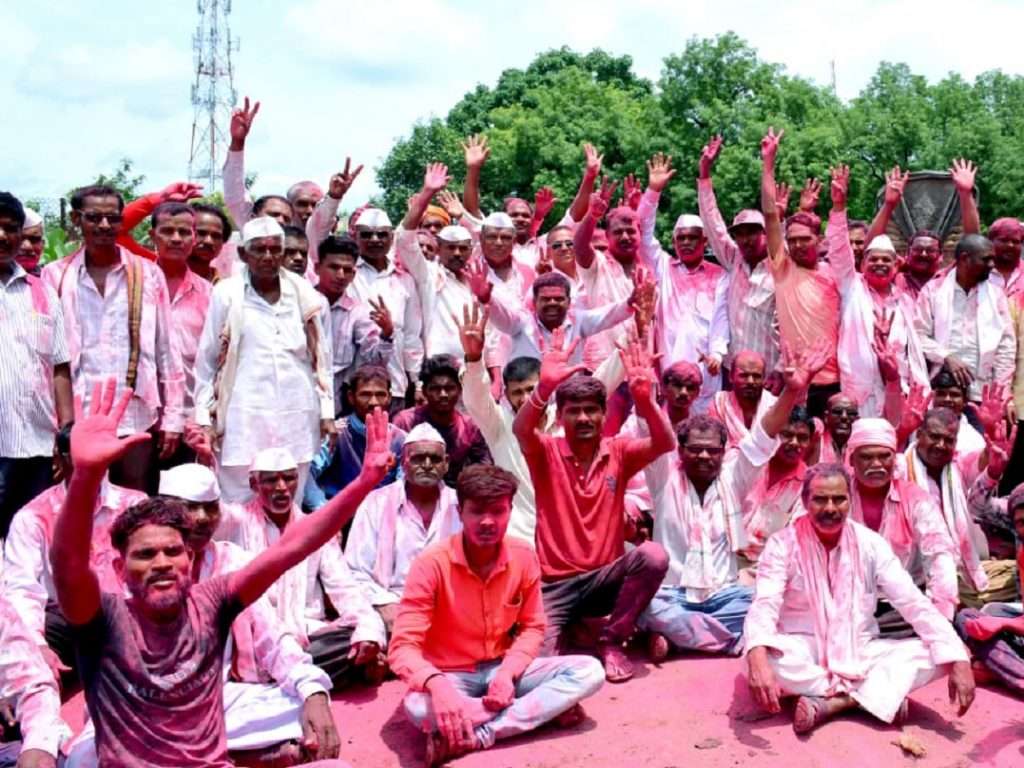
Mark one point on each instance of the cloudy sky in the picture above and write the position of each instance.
(89, 83)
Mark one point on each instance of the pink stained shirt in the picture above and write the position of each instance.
(1013, 286)
(770, 508)
(188, 313)
(605, 282)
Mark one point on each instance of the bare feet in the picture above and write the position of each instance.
(812, 711)
(571, 717)
(439, 750)
(617, 668)
(657, 647)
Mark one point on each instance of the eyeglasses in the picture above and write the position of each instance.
(97, 218)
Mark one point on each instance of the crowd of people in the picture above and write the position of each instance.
(263, 457)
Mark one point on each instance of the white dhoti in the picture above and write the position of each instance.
(896, 667)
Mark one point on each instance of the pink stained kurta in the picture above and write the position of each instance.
(770, 508)
(726, 408)
(605, 282)
(188, 311)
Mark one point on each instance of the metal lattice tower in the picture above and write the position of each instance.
(213, 92)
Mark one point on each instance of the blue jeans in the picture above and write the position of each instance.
(714, 626)
(550, 686)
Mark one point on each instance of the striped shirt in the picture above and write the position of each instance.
(32, 343)
(752, 319)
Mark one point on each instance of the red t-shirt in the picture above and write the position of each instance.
(581, 514)
(154, 692)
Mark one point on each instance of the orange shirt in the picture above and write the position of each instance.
(808, 306)
(450, 620)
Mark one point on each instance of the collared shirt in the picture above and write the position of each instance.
(274, 400)
(33, 342)
(452, 620)
(28, 575)
(27, 682)
(188, 311)
(411, 537)
(98, 340)
(605, 282)
(769, 508)
(398, 291)
(1012, 286)
(912, 525)
(580, 510)
(752, 317)
(514, 291)
(462, 438)
(353, 339)
(335, 467)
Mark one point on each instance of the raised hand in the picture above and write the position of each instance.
(639, 365)
(543, 201)
(963, 174)
(992, 409)
(94, 441)
(770, 146)
(544, 264)
(241, 124)
(801, 366)
(888, 364)
(809, 195)
(378, 460)
(341, 182)
(914, 408)
(709, 154)
(436, 178)
(554, 362)
(599, 203)
(660, 171)
(895, 183)
(782, 193)
(180, 191)
(593, 160)
(840, 186)
(472, 330)
(475, 273)
(451, 203)
(631, 192)
(476, 151)
(381, 315)
(999, 445)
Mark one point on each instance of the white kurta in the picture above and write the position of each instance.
(782, 620)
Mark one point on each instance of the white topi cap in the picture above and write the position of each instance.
(273, 460)
(32, 218)
(191, 482)
(423, 433)
(499, 220)
(881, 243)
(261, 226)
(688, 221)
(454, 233)
(373, 217)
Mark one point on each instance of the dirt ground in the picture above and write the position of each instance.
(696, 711)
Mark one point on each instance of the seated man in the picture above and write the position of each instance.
(841, 411)
(996, 635)
(697, 518)
(905, 516)
(275, 701)
(28, 575)
(442, 389)
(947, 392)
(811, 630)
(337, 463)
(397, 522)
(346, 648)
(580, 481)
(470, 627)
(740, 407)
(151, 663)
(27, 685)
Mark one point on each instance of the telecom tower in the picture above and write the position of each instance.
(213, 92)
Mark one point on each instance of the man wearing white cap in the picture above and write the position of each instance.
(33, 240)
(692, 319)
(443, 285)
(263, 376)
(742, 249)
(903, 514)
(28, 573)
(376, 280)
(397, 522)
(274, 697)
(347, 648)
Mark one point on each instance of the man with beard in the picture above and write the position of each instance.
(811, 632)
(692, 319)
(348, 648)
(152, 663)
(742, 249)
(746, 402)
(807, 293)
(580, 481)
(442, 390)
(698, 497)
(1006, 235)
(905, 516)
(117, 313)
(377, 279)
(397, 522)
(553, 310)
(469, 630)
(964, 322)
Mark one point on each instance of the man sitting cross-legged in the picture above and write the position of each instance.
(811, 630)
(151, 663)
(469, 629)
(580, 482)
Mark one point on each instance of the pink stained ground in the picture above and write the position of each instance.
(660, 717)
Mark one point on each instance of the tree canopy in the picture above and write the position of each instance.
(537, 119)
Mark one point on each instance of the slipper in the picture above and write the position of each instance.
(611, 653)
(810, 711)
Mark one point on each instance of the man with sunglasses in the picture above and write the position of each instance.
(117, 312)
